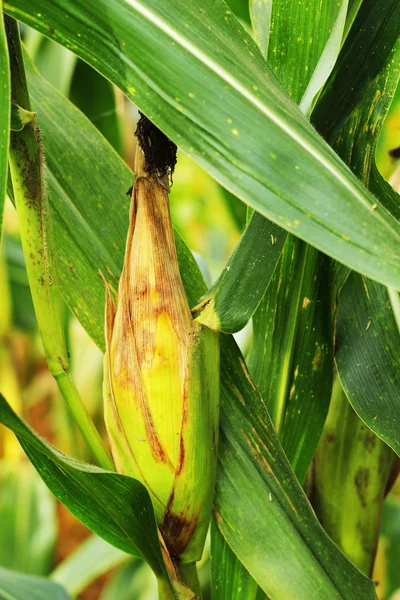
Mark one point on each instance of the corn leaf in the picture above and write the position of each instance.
(368, 356)
(229, 578)
(17, 586)
(85, 241)
(291, 357)
(95, 97)
(5, 98)
(302, 64)
(116, 507)
(373, 34)
(232, 300)
(174, 60)
(367, 338)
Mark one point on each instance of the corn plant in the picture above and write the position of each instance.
(282, 451)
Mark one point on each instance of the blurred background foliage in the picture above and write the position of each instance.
(38, 535)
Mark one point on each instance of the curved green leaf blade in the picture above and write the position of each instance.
(229, 578)
(5, 96)
(368, 356)
(288, 173)
(116, 507)
(231, 301)
(365, 53)
(291, 357)
(81, 203)
(368, 339)
(261, 508)
(17, 586)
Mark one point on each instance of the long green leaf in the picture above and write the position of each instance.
(116, 507)
(232, 300)
(86, 227)
(5, 99)
(261, 508)
(16, 586)
(172, 61)
(291, 357)
(229, 578)
(293, 319)
(368, 356)
(373, 34)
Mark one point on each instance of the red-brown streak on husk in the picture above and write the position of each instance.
(117, 420)
(177, 530)
(126, 343)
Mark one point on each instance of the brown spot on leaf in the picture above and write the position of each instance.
(361, 481)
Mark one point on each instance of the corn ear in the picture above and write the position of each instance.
(161, 386)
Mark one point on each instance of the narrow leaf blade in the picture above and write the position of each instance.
(115, 507)
(288, 174)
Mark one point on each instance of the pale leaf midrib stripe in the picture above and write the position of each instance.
(234, 83)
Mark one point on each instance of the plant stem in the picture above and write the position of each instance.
(352, 469)
(188, 576)
(27, 174)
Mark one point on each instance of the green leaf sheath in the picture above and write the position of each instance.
(115, 507)
(5, 96)
(28, 180)
(288, 173)
(291, 357)
(18, 586)
(352, 469)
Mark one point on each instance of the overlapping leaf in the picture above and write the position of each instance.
(115, 507)
(174, 60)
(229, 578)
(365, 53)
(368, 355)
(85, 241)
